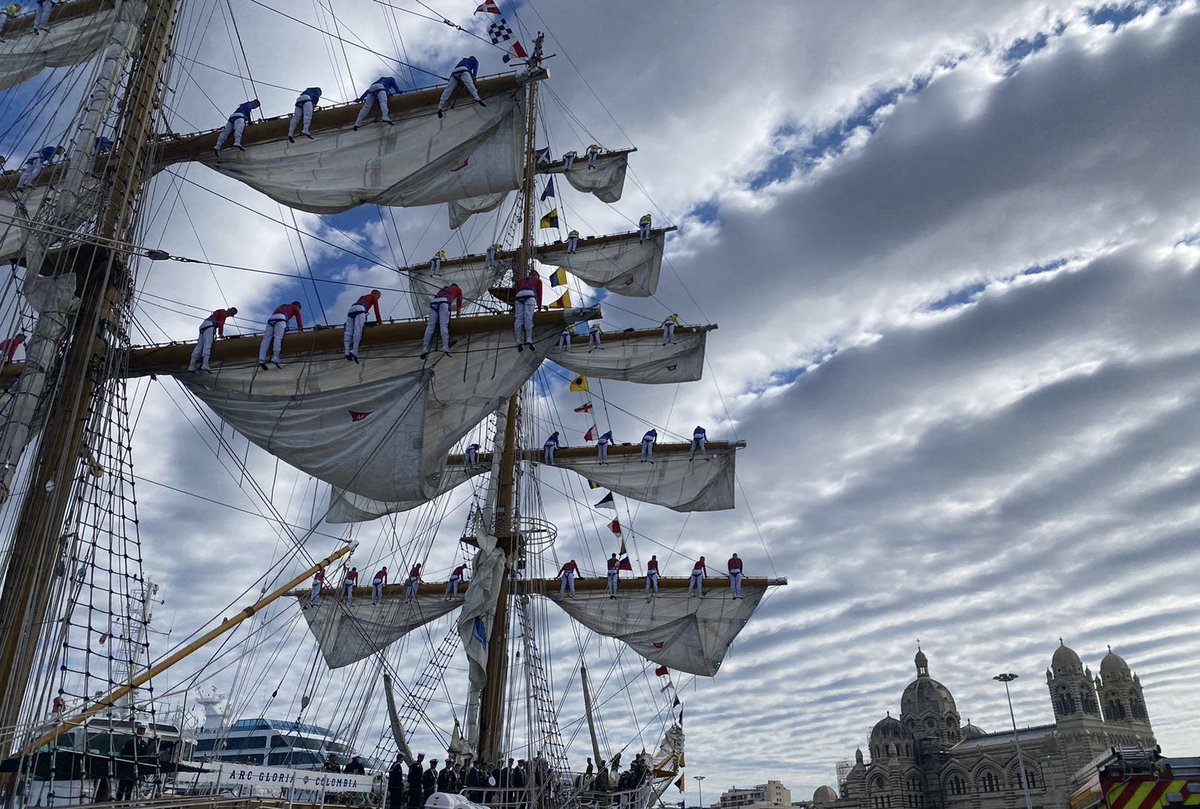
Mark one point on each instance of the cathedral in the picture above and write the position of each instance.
(927, 759)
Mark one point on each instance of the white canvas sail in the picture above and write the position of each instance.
(672, 480)
(422, 160)
(643, 359)
(606, 180)
(347, 633)
(15, 220)
(675, 630)
(461, 210)
(621, 264)
(381, 429)
(471, 274)
(346, 507)
(68, 42)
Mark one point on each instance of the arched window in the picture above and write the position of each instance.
(1138, 709)
(988, 782)
(1090, 705)
(878, 784)
(1115, 710)
(955, 784)
(1066, 703)
(1031, 776)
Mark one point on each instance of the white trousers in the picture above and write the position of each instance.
(235, 126)
(572, 243)
(491, 257)
(356, 318)
(593, 340)
(652, 581)
(435, 265)
(602, 451)
(568, 583)
(700, 444)
(613, 578)
(696, 583)
(33, 168)
(472, 458)
(669, 332)
(564, 341)
(302, 113)
(568, 160)
(376, 592)
(647, 450)
(204, 344)
(592, 154)
(439, 319)
(349, 588)
(458, 77)
(43, 13)
(524, 307)
(272, 338)
(643, 231)
(314, 596)
(376, 94)
(452, 587)
(413, 584)
(548, 454)
(735, 583)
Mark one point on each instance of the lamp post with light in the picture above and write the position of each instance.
(1006, 679)
(699, 779)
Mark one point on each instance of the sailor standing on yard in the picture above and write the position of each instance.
(435, 264)
(212, 327)
(464, 73)
(36, 164)
(572, 241)
(492, 250)
(593, 151)
(652, 577)
(548, 449)
(568, 572)
(569, 159)
(452, 584)
(276, 326)
(696, 582)
(644, 228)
(303, 113)
(648, 445)
(602, 444)
(377, 93)
(526, 301)
(734, 566)
(377, 583)
(614, 575)
(699, 442)
(439, 317)
(472, 456)
(414, 580)
(42, 21)
(349, 583)
(314, 595)
(669, 329)
(356, 318)
(236, 125)
(594, 337)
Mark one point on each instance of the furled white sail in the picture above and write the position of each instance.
(621, 264)
(672, 480)
(472, 274)
(643, 359)
(606, 180)
(381, 429)
(675, 630)
(460, 210)
(15, 222)
(68, 42)
(347, 633)
(345, 507)
(422, 160)
(475, 624)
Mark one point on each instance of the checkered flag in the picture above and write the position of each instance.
(500, 32)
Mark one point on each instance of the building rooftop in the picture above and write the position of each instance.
(1003, 737)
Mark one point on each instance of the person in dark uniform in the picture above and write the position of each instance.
(355, 767)
(134, 750)
(429, 781)
(416, 769)
(395, 784)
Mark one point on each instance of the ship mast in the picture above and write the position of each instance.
(491, 724)
(103, 285)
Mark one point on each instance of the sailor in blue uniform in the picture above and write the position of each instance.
(602, 445)
(593, 151)
(236, 125)
(377, 93)
(569, 159)
(42, 21)
(464, 73)
(648, 445)
(304, 112)
(34, 165)
(699, 442)
(472, 456)
(548, 449)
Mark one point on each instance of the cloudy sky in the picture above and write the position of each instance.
(952, 249)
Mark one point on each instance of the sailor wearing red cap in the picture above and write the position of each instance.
(356, 318)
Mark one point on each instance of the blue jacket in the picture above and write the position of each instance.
(47, 153)
(607, 438)
(388, 83)
(651, 436)
(244, 110)
(470, 63)
(314, 93)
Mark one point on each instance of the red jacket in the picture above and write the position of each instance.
(380, 576)
(458, 571)
(652, 566)
(453, 294)
(218, 319)
(289, 311)
(530, 282)
(370, 301)
(569, 567)
(735, 565)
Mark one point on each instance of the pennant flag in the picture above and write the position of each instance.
(681, 764)
(487, 7)
(677, 703)
(558, 277)
(681, 716)
(563, 302)
(593, 484)
(502, 36)
(550, 220)
(679, 782)
(590, 435)
(607, 502)
(669, 685)
(615, 527)
(622, 551)
(586, 407)
(625, 564)
(549, 191)
(579, 383)
(661, 671)
(543, 155)
(480, 632)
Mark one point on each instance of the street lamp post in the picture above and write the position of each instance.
(700, 786)
(1006, 679)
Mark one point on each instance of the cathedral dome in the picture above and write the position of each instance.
(1114, 667)
(1065, 661)
(888, 729)
(971, 731)
(824, 796)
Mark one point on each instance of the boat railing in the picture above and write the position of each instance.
(561, 795)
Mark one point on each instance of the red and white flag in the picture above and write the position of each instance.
(586, 407)
(487, 7)
(590, 435)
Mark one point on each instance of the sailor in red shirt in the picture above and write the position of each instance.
(452, 585)
(212, 327)
(356, 318)
(439, 317)
(568, 572)
(276, 326)
(652, 577)
(526, 300)
(314, 597)
(614, 575)
(349, 583)
(414, 579)
(696, 582)
(735, 575)
(9, 347)
(377, 582)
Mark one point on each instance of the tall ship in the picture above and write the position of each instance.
(476, 467)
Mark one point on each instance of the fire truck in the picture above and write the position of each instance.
(1136, 778)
